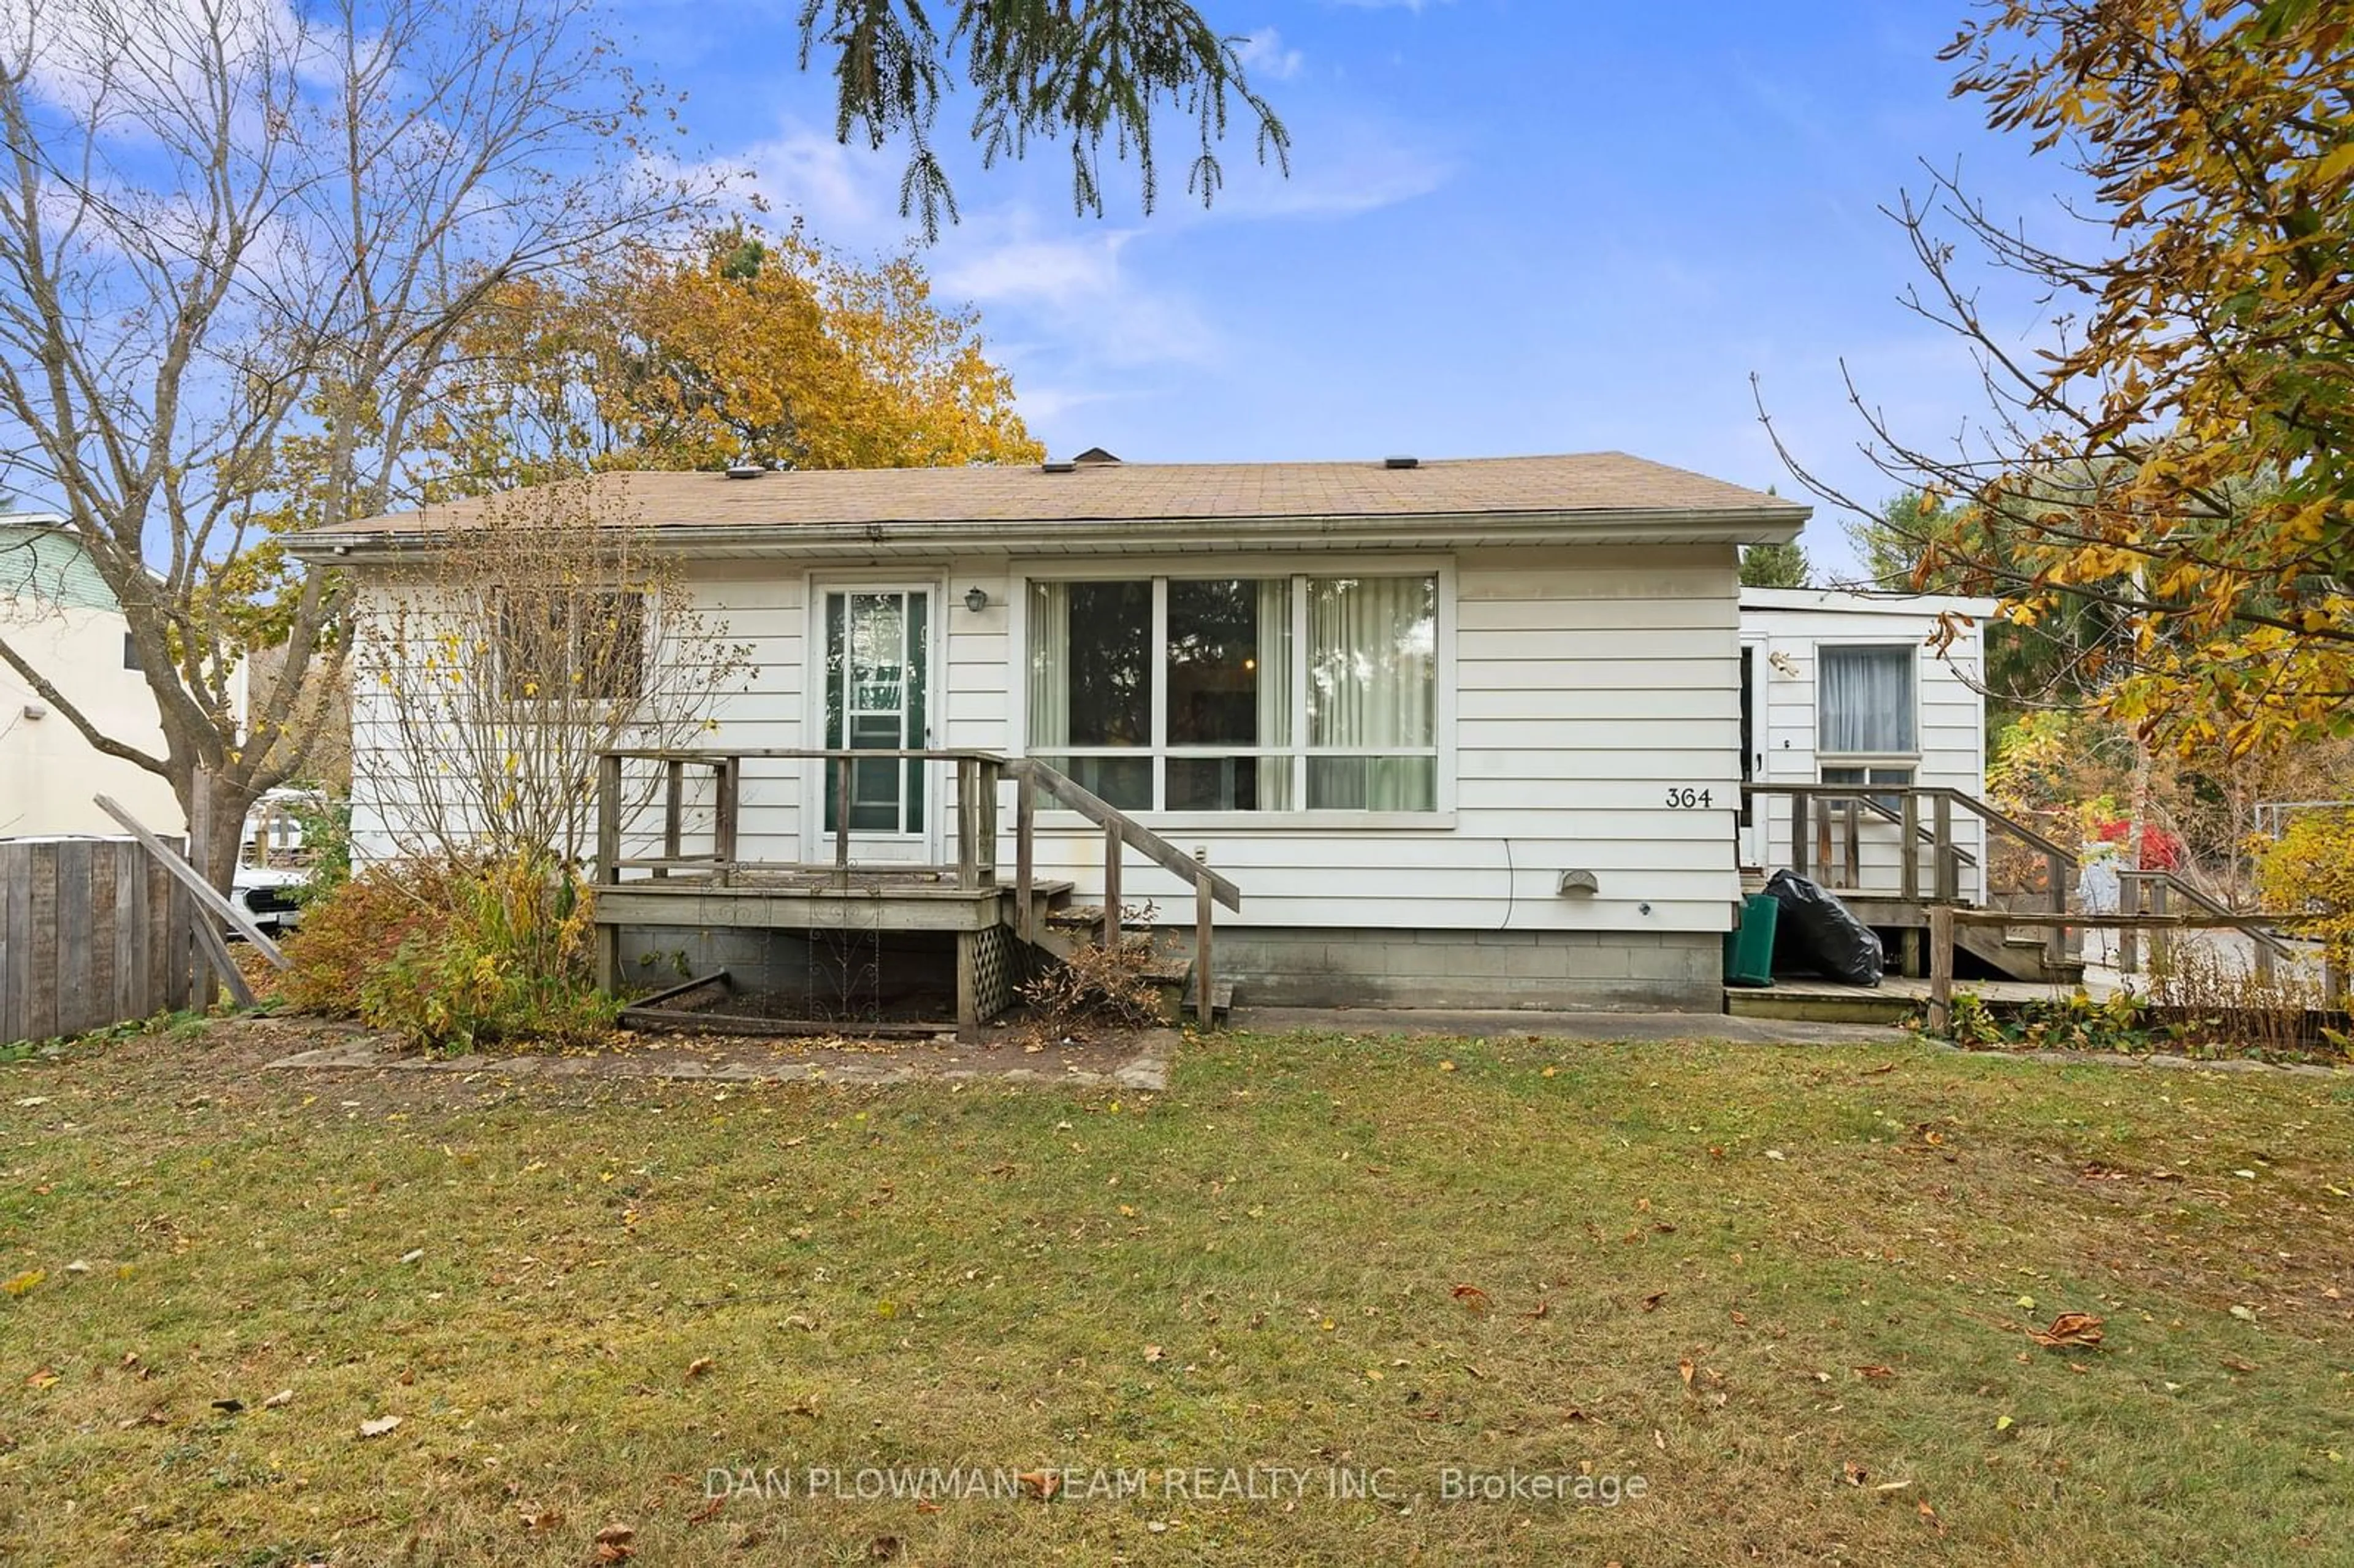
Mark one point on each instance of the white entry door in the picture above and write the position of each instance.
(875, 696)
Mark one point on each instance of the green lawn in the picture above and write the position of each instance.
(1317, 1263)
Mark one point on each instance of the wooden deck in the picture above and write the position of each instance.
(709, 887)
(869, 899)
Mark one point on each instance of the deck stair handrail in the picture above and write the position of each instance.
(1033, 778)
(2151, 891)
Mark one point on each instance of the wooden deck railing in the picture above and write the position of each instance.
(2143, 894)
(977, 775)
(1814, 852)
(1945, 919)
(2154, 892)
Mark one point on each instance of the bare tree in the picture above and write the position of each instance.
(237, 239)
(498, 660)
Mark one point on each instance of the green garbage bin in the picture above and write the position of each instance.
(1749, 946)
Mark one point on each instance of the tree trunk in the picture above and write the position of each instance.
(216, 808)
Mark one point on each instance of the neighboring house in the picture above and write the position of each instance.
(59, 612)
(1463, 733)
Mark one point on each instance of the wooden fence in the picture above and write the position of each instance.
(93, 932)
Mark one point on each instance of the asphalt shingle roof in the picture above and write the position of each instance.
(1140, 493)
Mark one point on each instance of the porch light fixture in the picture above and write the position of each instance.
(976, 600)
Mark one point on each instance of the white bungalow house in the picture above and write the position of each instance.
(1459, 733)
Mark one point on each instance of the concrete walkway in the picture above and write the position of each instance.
(1483, 1024)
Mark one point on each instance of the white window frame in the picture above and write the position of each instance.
(1159, 571)
(1824, 755)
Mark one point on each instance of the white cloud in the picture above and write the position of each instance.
(848, 195)
(1071, 294)
(1263, 53)
(1339, 166)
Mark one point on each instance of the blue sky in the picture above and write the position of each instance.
(1511, 226)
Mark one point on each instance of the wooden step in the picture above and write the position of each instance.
(1852, 1004)
(1089, 916)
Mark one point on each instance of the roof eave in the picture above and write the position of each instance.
(1752, 525)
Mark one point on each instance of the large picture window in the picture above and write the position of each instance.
(1240, 694)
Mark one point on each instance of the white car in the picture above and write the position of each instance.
(273, 860)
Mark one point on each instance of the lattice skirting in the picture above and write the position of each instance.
(993, 958)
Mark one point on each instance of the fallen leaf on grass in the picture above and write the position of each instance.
(1471, 1296)
(1684, 1370)
(24, 1282)
(1854, 1472)
(1741, 1319)
(1044, 1483)
(279, 1401)
(709, 1510)
(1876, 1374)
(416, 1255)
(615, 1543)
(1929, 1515)
(1541, 1308)
(697, 1367)
(2069, 1330)
(1651, 1302)
(1154, 1353)
(379, 1426)
(2245, 1314)
(883, 1549)
(538, 1519)
(44, 1378)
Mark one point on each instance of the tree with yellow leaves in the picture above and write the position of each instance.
(744, 348)
(2181, 453)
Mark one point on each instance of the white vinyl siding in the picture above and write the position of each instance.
(1950, 732)
(1582, 692)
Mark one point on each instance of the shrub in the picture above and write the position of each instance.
(355, 930)
(455, 952)
(2307, 875)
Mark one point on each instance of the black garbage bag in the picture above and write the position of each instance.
(1817, 934)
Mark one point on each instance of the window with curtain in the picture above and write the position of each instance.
(1240, 693)
(1864, 702)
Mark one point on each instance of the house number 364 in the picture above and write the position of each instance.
(1686, 798)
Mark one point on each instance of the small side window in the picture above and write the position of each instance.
(131, 653)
